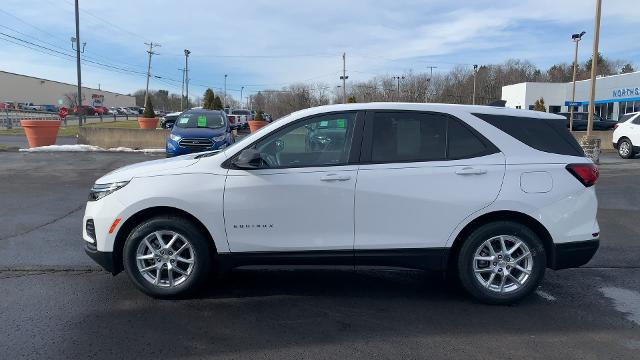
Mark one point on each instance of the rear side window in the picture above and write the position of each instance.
(548, 135)
(418, 136)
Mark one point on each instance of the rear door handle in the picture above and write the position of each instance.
(335, 177)
(470, 171)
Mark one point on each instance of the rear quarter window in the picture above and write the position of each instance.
(548, 135)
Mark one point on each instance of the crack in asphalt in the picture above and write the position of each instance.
(42, 225)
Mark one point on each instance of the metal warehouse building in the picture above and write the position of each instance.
(27, 89)
(615, 95)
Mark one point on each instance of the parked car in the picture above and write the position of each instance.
(245, 116)
(197, 131)
(466, 189)
(102, 110)
(49, 108)
(7, 105)
(626, 136)
(580, 120)
(136, 110)
(27, 106)
(234, 121)
(84, 110)
(167, 121)
(116, 110)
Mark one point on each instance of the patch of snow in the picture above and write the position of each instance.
(86, 148)
(545, 295)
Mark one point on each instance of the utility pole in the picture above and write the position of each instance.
(398, 87)
(426, 93)
(576, 38)
(241, 90)
(78, 64)
(344, 78)
(151, 53)
(182, 91)
(475, 72)
(186, 75)
(224, 104)
(594, 67)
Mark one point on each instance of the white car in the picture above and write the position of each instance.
(626, 136)
(493, 195)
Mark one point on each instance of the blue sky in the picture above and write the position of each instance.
(268, 44)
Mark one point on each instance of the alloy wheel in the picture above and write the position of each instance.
(625, 148)
(503, 264)
(165, 258)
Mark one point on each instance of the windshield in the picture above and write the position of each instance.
(211, 120)
(241, 112)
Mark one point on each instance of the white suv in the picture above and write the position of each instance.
(626, 136)
(493, 195)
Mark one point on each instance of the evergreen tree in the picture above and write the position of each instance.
(209, 100)
(148, 110)
(217, 103)
(627, 68)
(539, 105)
(351, 100)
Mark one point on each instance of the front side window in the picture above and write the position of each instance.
(320, 141)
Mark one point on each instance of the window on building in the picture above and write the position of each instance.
(555, 109)
(585, 108)
(518, 107)
(531, 107)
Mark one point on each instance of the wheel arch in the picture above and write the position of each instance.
(148, 213)
(504, 215)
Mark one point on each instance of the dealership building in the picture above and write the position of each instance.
(615, 95)
(27, 89)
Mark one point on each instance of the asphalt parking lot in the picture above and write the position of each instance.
(56, 303)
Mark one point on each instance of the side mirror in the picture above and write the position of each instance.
(248, 159)
(279, 145)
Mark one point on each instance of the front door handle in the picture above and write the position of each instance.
(335, 177)
(470, 171)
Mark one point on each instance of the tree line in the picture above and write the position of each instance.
(454, 86)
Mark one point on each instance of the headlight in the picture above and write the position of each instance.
(98, 191)
(220, 138)
(174, 137)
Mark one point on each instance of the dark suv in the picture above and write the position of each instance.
(580, 121)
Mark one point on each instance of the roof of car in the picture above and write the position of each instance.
(435, 107)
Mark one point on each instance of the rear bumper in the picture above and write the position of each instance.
(574, 254)
(102, 258)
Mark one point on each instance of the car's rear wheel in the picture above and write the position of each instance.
(625, 149)
(501, 262)
(167, 257)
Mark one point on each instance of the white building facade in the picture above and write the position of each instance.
(615, 95)
(27, 89)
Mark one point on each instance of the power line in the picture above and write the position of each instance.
(109, 23)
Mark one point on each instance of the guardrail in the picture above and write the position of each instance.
(10, 118)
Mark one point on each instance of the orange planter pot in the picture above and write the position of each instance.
(254, 125)
(148, 123)
(41, 132)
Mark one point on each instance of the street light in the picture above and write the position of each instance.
(475, 72)
(241, 90)
(224, 106)
(398, 87)
(576, 38)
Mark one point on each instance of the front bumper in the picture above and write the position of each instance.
(574, 254)
(173, 148)
(102, 258)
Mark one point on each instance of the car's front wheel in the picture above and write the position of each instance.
(167, 257)
(501, 262)
(625, 149)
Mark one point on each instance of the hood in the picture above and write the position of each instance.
(197, 132)
(149, 168)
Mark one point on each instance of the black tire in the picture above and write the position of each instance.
(465, 263)
(201, 254)
(625, 143)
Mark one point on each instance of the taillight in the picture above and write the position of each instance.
(587, 174)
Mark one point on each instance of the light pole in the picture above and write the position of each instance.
(224, 104)
(344, 78)
(397, 78)
(241, 90)
(426, 92)
(78, 64)
(594, 67)
(475, 72)
(186, 75)
(576, 38)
